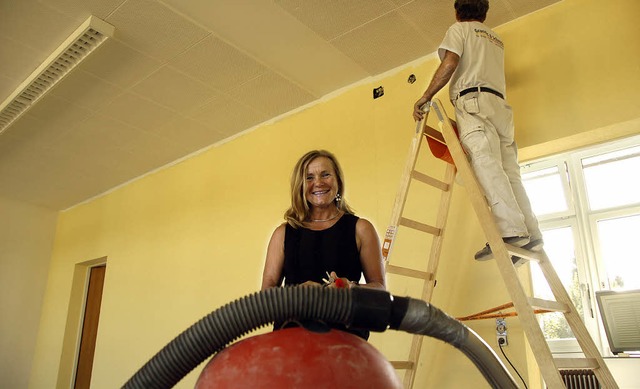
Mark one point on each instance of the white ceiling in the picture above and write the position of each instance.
(180, 75)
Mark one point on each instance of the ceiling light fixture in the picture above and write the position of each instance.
(86, 38)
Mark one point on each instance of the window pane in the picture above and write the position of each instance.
(544, 188)
(619, 250)
(611, 179)
(559, 246)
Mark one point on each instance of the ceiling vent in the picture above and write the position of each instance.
(86, 38)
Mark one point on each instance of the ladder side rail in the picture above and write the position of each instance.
(576, 324)
(414, 355)
(438, 240)
(432, 266)
(529, 323)
(396, 218)
(401, 196)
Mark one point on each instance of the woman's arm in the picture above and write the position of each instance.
(370, 254)
(272, 273)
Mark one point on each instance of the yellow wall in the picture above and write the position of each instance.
(573, 67)
(26, 237)
(187, 239)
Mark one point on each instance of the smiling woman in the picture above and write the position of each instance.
(322, 242)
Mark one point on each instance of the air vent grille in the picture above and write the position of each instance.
(89, 36)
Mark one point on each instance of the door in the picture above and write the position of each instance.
(90, 327)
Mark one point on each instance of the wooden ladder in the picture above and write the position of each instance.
(524, 305)
(445, 185)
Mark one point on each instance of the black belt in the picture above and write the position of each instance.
(480, 89)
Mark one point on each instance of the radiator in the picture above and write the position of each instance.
(580, 379)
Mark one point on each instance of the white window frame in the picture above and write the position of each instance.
(591, 270)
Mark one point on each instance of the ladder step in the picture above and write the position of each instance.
(576, 363)
(419, 226)
(522, 253)
(402, 365)
(429, 180)
(434, 134)
(403, 271)
(548, 305)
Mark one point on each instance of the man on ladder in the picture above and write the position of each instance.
(472, 57)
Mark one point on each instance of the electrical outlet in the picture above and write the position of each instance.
(501, 332)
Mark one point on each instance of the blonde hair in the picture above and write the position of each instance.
(299, 210)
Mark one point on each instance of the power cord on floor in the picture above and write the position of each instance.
(514, 368)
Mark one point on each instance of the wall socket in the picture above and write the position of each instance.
(501, 332)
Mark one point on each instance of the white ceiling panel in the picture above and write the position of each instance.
(332, 18)
(174, 90)
(431, 18)
(35, 134)
(218, 64)
(82, 9)
(33, 24)
(275, 38)
(119, 64)
(17, 60)
(137, 111)
(191, 134)
(227, 116)
(7, 85)
(154, 29)
(389, 40)
(271, 94)
(86, 90)
(58, 113)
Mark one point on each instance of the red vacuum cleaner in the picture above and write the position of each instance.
(308, 358)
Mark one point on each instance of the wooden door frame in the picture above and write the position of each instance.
(67, 369)
(89, 327)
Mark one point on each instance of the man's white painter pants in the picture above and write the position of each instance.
(485, 123)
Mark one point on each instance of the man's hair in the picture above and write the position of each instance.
(471, 9)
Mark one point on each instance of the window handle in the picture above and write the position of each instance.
(588, 292)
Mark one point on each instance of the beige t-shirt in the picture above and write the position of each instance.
(481, 57)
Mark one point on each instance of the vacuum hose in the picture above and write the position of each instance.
(363, 308)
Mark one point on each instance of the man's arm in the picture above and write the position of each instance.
(440, 78)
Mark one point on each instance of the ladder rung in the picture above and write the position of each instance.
(522, 253)
(434, 134)
(548, 305)
(576, 363)
(419, 226)
(402, 365)
(403, 271)
(429, 180)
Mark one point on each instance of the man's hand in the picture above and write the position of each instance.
(418, 113)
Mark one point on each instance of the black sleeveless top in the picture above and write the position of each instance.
(309, 255)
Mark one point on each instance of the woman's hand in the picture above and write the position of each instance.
(310, 283)
(339, 282)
